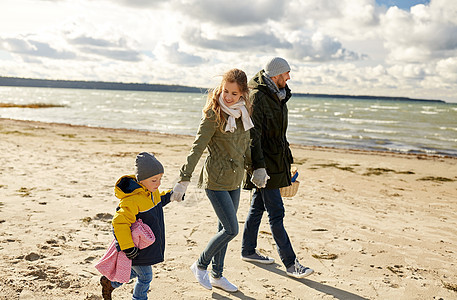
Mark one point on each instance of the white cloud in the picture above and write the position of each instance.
(141, 3)
(319, 48)
(262, 41)
(421, 34)
(66, 45)
(234, 12)
(447, 70)
(345, 19)
(175, 56)
(117, 49)
(28, 47)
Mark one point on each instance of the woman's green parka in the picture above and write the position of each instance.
(224, 166)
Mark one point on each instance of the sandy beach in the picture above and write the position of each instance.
(372, 225)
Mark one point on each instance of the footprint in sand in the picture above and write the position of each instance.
(33, 256)
(103, 217)
(190, 243)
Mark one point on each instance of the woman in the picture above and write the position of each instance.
(224, 130)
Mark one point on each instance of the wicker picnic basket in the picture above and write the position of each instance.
(291, 190)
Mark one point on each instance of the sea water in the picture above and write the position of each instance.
(383, 125)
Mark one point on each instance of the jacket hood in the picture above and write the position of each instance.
(258, 83)
(127, 186)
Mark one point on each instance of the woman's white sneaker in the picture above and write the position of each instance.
(223, 283)
(201, 276)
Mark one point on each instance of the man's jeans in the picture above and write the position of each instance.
(144, 274)
(271, 201)
(225, 204)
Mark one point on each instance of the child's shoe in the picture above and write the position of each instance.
(107, 289)
(223, 283)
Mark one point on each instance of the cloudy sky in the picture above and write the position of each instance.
(355, 47)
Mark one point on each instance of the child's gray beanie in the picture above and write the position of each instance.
(147, 166)
(276, 66)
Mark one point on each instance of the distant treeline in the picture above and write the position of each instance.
(102, 85)
(99, 85)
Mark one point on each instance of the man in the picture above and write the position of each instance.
(271, 160)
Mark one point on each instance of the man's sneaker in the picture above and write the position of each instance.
(223, 283)
(201, 276)
(298, 271)
(259, 258)
(107, 288)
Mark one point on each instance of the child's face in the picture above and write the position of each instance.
(231, 93)
(152, 183)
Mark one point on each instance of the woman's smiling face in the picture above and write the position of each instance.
(231, 93)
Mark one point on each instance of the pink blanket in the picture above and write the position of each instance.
(115, 265)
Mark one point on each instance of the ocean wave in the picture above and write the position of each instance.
(330, 134)
(365, 109)
(344, 136)
(412, 150)
(426, 112)
(452, 140)
(385, 107)
(367, 121)
(380, 131)
(448, 128)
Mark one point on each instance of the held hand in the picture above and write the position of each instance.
(179, 190)
(131, 253)
(260, 177)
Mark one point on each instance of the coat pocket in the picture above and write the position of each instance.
(275, 162)
(274, 157)
(225, 173)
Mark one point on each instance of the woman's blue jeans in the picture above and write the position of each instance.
(271, 201)
(225, 204)
(144, 274)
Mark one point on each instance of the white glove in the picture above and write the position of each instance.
(179, 190)
(260, 177)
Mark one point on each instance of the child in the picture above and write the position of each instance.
(139, 199)
(224, 131)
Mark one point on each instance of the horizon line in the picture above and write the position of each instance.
(158, 87)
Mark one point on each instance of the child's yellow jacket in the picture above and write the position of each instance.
(136, 202)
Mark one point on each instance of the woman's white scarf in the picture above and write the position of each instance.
(235, 111)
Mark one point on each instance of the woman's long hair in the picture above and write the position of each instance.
(212, 102)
